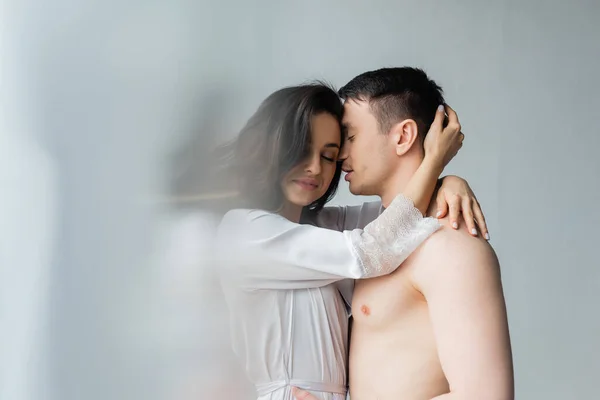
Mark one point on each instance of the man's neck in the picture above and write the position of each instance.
(396, 183)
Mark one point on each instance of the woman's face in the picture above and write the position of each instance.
(310, 179)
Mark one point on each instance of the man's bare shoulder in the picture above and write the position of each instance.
(452, 252)
(456, 240)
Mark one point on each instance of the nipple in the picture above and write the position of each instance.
(365, 310)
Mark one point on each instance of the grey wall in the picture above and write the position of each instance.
(113, 88)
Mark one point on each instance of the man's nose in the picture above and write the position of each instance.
(343, 153)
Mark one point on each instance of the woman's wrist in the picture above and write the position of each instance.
(434, 165)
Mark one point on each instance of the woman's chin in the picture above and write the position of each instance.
(303, 201)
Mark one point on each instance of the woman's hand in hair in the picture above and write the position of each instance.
(443, 143)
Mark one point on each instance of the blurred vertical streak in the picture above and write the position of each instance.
(28, 222)
(107, 289)
(194, 306)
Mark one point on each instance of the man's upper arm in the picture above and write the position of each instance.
(460, 279)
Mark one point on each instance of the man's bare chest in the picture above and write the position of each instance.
(376, 301)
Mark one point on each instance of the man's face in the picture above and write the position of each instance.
(368, 154)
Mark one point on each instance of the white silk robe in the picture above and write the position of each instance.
(282, 282)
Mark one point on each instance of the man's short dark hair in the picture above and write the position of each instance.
(395, 94)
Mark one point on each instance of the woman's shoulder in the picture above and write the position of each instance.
(241, 222)
(242, 215)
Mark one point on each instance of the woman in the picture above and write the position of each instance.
(288, 319)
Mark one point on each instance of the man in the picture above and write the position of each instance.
(436, 328)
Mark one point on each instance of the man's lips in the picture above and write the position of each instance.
(348, 175)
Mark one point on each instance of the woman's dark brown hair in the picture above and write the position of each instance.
(275, 139)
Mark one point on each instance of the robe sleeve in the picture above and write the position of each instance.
(342, 218)
(262, 250)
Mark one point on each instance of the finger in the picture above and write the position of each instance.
(460, 143)
(453, 122)
(454, 204)
(480, 219)
(442, 205)
(467, 211)
(455, 150)
(452, 116)
(438, 121)
(300, 394)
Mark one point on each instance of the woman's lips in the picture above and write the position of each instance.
(307, 184)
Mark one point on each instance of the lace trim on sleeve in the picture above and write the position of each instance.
(387, 241)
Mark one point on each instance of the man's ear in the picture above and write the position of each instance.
(404, 134)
